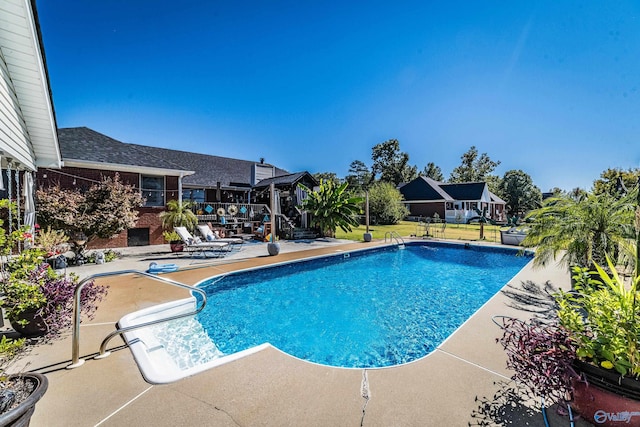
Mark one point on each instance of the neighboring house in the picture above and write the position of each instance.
(28, 137)
(455, 203)
(219, 186)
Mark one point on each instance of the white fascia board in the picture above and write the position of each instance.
(125, 168)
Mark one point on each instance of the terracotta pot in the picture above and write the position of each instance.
(176, 246)
(605, 398)
(20, 416)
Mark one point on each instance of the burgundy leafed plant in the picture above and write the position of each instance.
(541, 355)
(58, 290)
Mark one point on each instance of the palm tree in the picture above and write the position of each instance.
(586, 228)
(332, 207)
(178, 214)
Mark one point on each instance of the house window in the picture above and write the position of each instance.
(193, 195)
(152, 190)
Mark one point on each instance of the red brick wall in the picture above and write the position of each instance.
(427, 209)
(147, 218)
(84, 178)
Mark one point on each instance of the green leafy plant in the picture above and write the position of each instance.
(31, 289)
(385, 203)
(332, 207)
(170, 236)
(581, 229)
(111, 255)
(603, 319)
(178, 214)
(9, 349)
(52, 241)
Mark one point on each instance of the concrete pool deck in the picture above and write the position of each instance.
(459, 384)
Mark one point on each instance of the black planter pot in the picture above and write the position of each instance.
(35, 328)
(21, 415)
(609, 380)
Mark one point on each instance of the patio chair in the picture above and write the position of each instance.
(438, 229)
(209, 236)
(194, 245)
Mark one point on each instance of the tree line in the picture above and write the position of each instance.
(391, 166)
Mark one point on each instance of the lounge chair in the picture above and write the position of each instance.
(209, 236)
(193, 244)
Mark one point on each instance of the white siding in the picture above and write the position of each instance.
(14, 140)
(261, 172)
(27, 124)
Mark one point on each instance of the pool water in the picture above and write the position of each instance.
(360, 310)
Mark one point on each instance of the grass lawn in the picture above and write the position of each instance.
(470, 232)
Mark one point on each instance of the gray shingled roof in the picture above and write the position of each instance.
(85, 144)
(88, 145)
(424, 188)
(464, 190)
(288, 179)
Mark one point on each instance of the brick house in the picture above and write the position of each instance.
(454, 203)
(212, 182)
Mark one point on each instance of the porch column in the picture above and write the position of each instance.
(180, 189)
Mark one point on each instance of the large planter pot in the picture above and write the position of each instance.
(606, 398)
(20, 416)
(273, 248)
(34, 328)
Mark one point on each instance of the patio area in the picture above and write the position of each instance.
(459, 384)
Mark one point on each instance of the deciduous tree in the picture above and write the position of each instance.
(385, 203)
(327, 176)
(359, 177)
(392, 164)
(432, 171)
(517, 189)
(104, 210)
(474, 167)
(608, 181)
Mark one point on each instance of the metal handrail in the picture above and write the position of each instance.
(75, 342)
(394, 235)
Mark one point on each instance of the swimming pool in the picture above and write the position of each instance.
(364, 309)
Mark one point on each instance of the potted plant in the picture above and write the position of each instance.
(178, 214)
(54, 243)
(37, 301)
(589, 353)
(18, 393)
(173, 238)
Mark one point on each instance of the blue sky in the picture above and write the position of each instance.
(552, 88)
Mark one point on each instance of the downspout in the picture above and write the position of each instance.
(180, 188)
